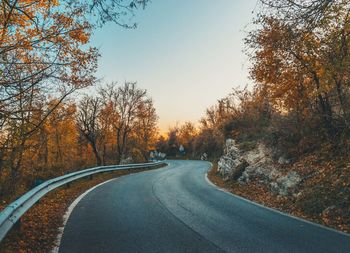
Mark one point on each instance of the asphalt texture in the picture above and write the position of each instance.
(174, 209)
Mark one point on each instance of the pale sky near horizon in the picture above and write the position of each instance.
(186, 53)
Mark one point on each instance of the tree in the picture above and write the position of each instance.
(186, 135)
(173, 141)
(87, 121)
(146, 130)
(41, 57)
(41, 46)
(132, 108)
(306, 13)
(44, 58)
(299, 54)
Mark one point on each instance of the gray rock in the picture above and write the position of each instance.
(288, 183)
(284, 161)
(257, 164)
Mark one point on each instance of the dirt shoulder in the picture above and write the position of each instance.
(39, 227)
(259, 193)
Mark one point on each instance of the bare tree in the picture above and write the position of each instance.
(127, 102)
(306, 13)
(87, 121)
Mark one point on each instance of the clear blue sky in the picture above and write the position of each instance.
(186, 53)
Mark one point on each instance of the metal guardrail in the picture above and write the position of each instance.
(13, 212)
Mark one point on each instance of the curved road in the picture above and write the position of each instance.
(175, 209)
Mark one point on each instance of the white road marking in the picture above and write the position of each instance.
(272, 209)
(70, 210)
(74, 204)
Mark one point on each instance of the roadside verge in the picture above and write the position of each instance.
(258, 196)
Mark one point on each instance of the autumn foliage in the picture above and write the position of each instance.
(299, 100)
(45, 57)
(297, 105)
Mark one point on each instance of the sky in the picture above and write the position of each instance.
(186, 53)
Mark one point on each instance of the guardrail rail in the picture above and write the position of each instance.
(13, 212)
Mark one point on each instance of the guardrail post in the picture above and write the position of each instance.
(91, 177)
(17, 224)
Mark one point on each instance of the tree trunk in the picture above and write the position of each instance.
(97, 155)
(326, 109)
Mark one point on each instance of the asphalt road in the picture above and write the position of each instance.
(175, 209)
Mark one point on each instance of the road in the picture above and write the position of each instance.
(175, 209)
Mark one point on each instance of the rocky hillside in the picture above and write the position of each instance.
(257, 164)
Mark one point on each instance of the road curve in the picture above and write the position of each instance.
(174, 209)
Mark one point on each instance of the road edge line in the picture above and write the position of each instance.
(272, 209)
(69, 212)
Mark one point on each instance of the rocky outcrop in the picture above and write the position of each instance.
(231, 165)
(257, 165)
